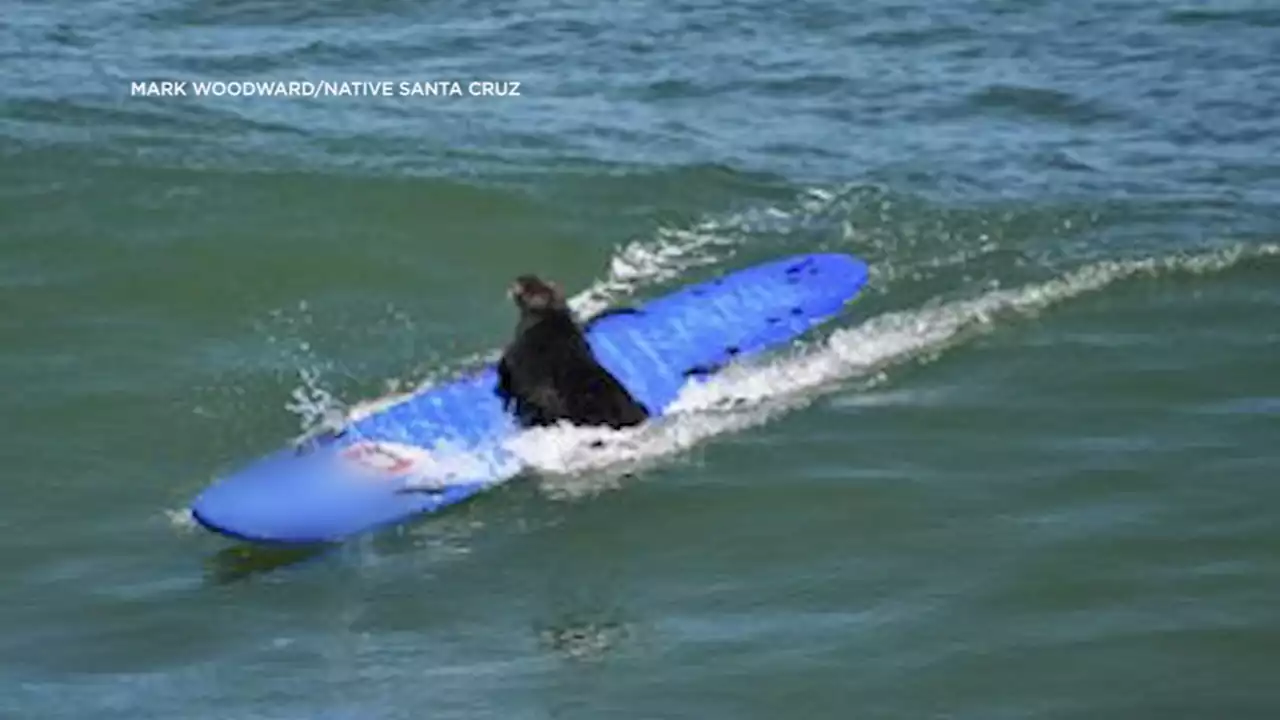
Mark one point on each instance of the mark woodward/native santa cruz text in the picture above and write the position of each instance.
(325, 88)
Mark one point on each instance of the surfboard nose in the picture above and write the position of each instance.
(260, 503)
(333, 492)
(257, 503)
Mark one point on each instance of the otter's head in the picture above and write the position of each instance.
(532, 294)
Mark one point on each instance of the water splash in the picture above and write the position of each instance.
(676, 251)
(181, 519)
(315, 405)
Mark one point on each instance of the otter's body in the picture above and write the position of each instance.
(549, 374)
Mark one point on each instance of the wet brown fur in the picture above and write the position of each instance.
(548, 373)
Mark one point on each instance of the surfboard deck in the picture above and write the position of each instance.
(443, 444)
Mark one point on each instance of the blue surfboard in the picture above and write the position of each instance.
(389, 464)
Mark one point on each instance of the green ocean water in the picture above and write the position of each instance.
(1032, 473)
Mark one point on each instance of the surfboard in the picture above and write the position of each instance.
(441, 445)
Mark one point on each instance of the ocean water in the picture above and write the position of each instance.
(1032, 472)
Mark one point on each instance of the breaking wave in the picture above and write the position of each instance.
(574, 462)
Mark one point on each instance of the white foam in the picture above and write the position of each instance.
(316, 407)
(675, 251)
(571, 459)
(639, 264)
(364, 409)
(181, 519)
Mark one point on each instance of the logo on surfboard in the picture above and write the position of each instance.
(387, 459)
(419, 467)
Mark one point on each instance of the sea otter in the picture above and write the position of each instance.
(548, 373)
